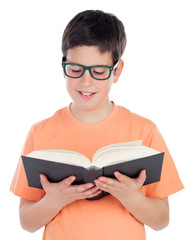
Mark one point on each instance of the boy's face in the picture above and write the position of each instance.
(86, 92)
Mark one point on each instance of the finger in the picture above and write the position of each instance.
(44, 182)
(141, 178)
(68, 181)
(93, 194)
(103, 185)
(83, 187)
(108, 181)
(121, 177)
(91, 191)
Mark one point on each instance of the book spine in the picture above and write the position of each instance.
(90, 175)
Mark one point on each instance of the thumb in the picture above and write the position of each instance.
(68, 181)
(44, 182)
(141, 178)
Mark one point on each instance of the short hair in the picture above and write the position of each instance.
(95, 28)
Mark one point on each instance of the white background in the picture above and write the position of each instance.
(32, 87)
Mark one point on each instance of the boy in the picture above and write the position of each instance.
(93, 43)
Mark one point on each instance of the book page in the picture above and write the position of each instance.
(62, 156)
(114, 147)
(123, 155)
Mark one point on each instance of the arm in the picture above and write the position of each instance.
(34, 215)
(153, 212)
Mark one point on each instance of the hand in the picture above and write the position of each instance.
(63, 193)
(122, 187)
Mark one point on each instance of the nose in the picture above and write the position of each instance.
(86, 78)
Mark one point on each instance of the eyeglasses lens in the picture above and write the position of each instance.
(74, 70)
(100, 72)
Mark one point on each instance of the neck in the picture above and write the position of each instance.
(91, 116)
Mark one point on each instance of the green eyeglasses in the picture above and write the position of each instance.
(98, 72)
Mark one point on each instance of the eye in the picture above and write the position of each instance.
(98, 70)
(98, 73)
(74, 70)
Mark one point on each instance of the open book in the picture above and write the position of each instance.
(128, 158)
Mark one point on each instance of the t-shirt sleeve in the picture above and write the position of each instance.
(19, 185)
(170, 181)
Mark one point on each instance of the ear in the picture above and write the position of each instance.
(118, 70)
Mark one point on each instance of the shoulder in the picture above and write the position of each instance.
(137, 126)
(134, 118)
(49, 123)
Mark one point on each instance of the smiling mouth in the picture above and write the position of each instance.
(87, 94)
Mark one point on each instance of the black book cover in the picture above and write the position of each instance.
(56, 172)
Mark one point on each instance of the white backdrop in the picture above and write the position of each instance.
(32, 86)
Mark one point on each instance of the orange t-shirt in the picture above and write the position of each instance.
(105, 218)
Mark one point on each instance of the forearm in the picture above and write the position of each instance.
(153, 212)
(34, 215)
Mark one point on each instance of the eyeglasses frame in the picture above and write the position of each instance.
(111, 68)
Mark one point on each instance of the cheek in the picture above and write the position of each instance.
(70, 84)
(105, 86)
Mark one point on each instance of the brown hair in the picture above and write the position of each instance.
(95, 28)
